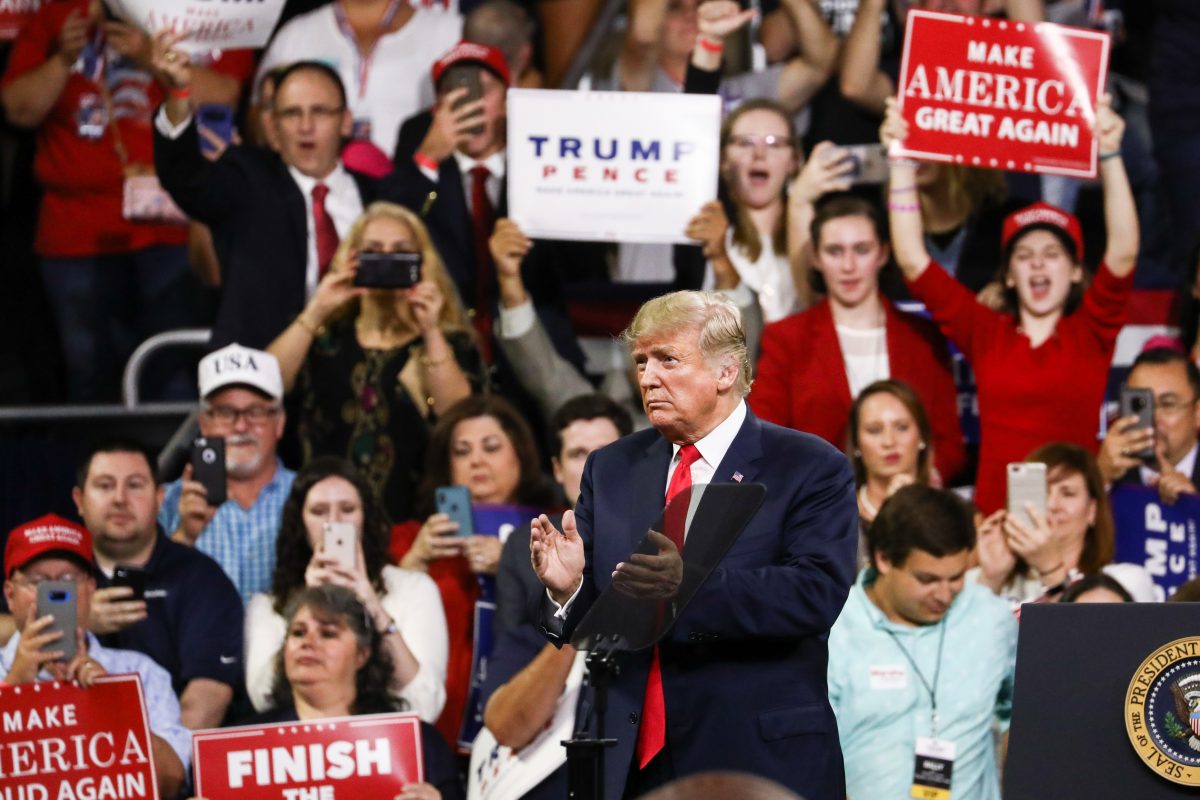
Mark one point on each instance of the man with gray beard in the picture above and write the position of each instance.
(241, 390)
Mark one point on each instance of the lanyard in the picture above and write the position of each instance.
(365, 57)
(931, 688)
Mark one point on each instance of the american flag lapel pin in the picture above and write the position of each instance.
(737, 477)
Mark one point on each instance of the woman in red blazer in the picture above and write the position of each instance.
(814, 362)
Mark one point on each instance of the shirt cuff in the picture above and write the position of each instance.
(163, 125)
(427, 172)
(518, 321)
(560, 612)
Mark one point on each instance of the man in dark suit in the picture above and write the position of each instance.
(742, 673)
(277, 217)
(1174, 380)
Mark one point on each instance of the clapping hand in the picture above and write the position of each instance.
(557, 557)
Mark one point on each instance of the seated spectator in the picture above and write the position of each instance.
(483, 444)
(853, 338)
(334, 665)
(277, 214)
(1175, 382)
(376, 48)
(773, 206)
(918, 652)
(1098, 587)
(403, 606)
(186, 617)
(240, 400)
(51, 548)
(1023, 562)
(85, 81)
(372, 368)
(1041, 368)
(527, 676)
(888, 445)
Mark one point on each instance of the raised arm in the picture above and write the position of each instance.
(1120, 213)
(29, 98)
(824, 172)
(291, 346)
(861, 81)
(805, 74)
(716, 20)
(904, 207)
(639, 54)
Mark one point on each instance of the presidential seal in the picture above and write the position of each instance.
(1162, 711)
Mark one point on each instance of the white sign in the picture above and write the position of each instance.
(611, 166)
(211, 24)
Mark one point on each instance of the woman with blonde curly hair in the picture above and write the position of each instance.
(371, 369)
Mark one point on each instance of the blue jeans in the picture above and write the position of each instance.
(106, 305)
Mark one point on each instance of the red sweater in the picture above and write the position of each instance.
(1029, 396)
(801, 379)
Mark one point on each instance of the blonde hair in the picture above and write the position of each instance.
(717, 317)
(452, 317)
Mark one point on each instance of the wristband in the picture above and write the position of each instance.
(1113, 154)
(903, 189)
(180, 94)
(709, 45)
(424, 161)
(904, 206)
(313, 332)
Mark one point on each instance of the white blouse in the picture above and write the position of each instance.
(769, 277)
(411, 598)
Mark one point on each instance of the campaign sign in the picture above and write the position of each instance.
(13, 14)
(1000, 94)
(59, 741)
(345, 758)
(1160, 537)
(210, 25)
(610, 166)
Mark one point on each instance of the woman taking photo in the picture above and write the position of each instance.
(373, 368)
(333, 665)
(403, 606)
(482, 443)
(1023, 560)
(1041, 366)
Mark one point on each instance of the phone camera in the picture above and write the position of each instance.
(60, 596)
(208, 455)
(1138, 404)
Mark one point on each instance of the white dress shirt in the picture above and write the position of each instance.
(343, 204)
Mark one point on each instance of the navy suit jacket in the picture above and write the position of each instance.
(744, 667)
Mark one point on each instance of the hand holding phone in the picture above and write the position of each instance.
(1026, 487)
(208, 467)
(465, 76)
(60, 599)
(1136, 402)
(388, 270)
(455, 503)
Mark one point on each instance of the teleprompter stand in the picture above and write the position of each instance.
(713, 516)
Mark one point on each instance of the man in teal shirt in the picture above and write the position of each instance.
(920, 659)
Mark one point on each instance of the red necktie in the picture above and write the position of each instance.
(483, 219)
(652, 735)
(327, 235)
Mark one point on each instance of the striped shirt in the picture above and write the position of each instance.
(162, 708)
(241, 540)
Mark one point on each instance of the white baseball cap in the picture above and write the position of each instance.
(234, 365)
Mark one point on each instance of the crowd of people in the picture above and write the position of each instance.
(809, 301)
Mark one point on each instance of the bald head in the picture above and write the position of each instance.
(722, 785)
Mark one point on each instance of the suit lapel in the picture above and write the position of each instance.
(295, 209)
(649, 488)
(826, 348)
(743, 454)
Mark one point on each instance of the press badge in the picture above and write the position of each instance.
(934, 763)
(91, 118)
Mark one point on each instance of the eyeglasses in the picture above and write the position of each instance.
(293, 115)
(751, 141)
(228, 415)
(1170, 404)
(38, 580)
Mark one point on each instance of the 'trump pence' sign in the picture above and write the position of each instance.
(347, 758)
(62, 742)
(1001, 94)
(211, 24)
(610, 166)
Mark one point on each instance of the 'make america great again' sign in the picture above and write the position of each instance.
(1006, 95)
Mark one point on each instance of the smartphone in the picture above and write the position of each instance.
(58, 599)
(341, 543)
(388, 270)
(465, 75)
(1139, 403)
(1026, 486)
(455, 503)
(218, 119)
(208, 467)
(870, 163)
(133, 577)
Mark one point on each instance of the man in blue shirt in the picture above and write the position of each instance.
(51, 548)
(241, 392)
(190, 620)
(921, 663)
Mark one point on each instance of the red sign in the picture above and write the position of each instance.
(14, 14)
(347, 758)
(61, 742)
(1007, 95)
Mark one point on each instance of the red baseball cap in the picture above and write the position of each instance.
(1043, 214)
(45, 535)
(466, 52)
